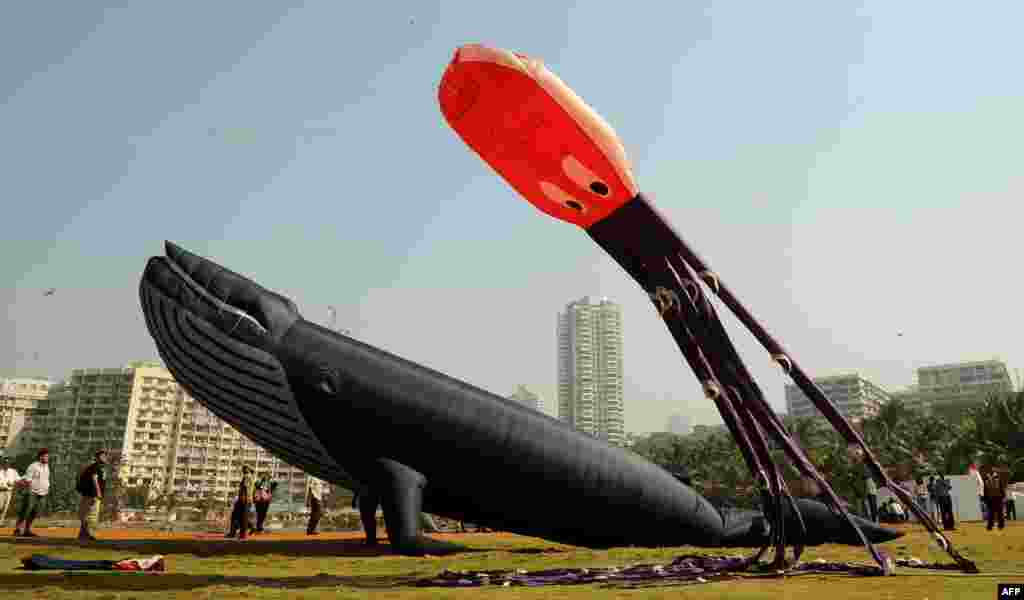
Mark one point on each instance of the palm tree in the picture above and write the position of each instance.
(992, 430)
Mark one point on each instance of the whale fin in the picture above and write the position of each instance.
(400, 490)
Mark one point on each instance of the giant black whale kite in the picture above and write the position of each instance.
(343, 410)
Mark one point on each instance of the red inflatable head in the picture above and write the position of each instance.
(536, 133)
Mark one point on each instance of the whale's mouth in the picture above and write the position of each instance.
(241, 384)
(203, 295)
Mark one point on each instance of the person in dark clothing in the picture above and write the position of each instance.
(240, 513)
(933, 500)
(942, 494)
(1011, 505)
(682, 475)
(263, 496)
(995, 496)
(871, 494)
(91, 485)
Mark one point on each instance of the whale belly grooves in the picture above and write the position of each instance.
(242, 385)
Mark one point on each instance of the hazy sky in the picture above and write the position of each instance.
(851, 170)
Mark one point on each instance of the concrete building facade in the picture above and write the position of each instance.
(856, 397)
(21, 401)
(160, 436)
(590, 368)
(956, 386)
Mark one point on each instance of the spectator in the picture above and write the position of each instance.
(933, 504)
(921, 494)
(91, 485)
(315, 501)
(8, 478)
(264, 494)
(942, 494)
(240, 514)
(979, 483)
(995, 496)
(871, 494)
(1011, 504)
(37, 478)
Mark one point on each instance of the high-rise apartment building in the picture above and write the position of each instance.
(524, 396)
(162, 436)
(20, 403)
(855, 396)
(590, 368)
(956, 386)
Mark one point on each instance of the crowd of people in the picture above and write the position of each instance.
(254, 498)
(255, 494)
(997, 502)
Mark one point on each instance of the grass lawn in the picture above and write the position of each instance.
(335, 565)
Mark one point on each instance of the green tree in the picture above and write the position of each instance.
(63, 496)
(991, 433)
(22, 461)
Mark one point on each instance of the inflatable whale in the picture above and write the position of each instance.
(343, 410)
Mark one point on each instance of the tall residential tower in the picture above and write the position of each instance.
(590, 368)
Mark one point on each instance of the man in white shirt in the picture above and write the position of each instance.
(979, 483)
(316, 494)
(8, 477)
(37, 476)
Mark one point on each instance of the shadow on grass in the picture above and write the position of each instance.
(227, 547)
(538, 551)
(140, 582)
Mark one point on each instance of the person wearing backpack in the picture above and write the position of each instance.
(91, 485)
(943, 489)
(264, 494)
(240, 514)
(995, 497)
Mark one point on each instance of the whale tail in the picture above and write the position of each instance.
(750, 529)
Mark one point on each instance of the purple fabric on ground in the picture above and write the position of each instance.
(690, 569)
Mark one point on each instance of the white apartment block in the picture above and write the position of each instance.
(21, 399)
(159, 435)
(960, 385)
(590, 368)
(856, 397)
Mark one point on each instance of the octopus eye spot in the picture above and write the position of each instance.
(574, 205)
(599, 188)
